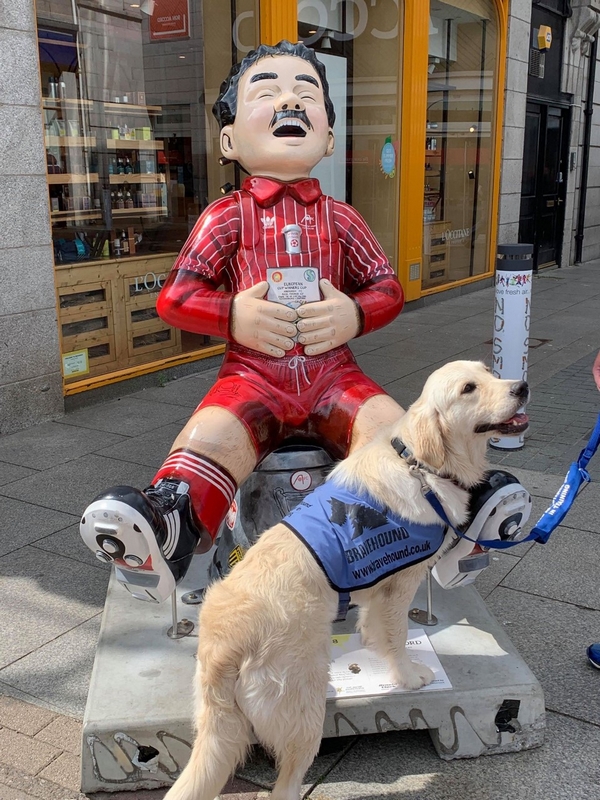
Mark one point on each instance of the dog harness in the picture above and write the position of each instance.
(356, 541)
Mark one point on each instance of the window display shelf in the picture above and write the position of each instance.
(158, 211)
(70, 216)
(70, 141)
(138, 177)
(59, 103)
(65, 177)
(130, 108)
(135, 144)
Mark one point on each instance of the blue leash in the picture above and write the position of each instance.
(553, 515)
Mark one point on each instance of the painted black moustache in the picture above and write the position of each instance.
(290, 130)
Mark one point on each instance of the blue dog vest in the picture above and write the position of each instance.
(357, 542)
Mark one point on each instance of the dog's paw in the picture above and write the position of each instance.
(413, 675)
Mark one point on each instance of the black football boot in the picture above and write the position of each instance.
(149, 536)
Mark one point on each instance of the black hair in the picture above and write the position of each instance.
(225, 107)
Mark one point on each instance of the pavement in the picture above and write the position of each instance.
(52, 590)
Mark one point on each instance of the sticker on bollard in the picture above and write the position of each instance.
(512, 316)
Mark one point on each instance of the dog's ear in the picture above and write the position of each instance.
(426, 435)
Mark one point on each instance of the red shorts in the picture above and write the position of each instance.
(313, 397)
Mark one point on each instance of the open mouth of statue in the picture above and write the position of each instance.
(290, 123)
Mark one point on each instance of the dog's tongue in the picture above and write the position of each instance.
(518, 419)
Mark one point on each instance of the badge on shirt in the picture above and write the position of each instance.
(293, 286)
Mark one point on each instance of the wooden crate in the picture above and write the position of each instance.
(108, 308)
(436, 255)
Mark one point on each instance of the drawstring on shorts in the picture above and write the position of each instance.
(299, 362)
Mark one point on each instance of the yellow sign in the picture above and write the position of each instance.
(75, 363)
(544, 37)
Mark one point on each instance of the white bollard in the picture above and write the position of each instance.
(512, 316)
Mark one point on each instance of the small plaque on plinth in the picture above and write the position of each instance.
(356, 671)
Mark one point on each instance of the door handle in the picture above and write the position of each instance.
(559, 202)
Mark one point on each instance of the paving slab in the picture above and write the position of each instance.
(17, 785)
(404, 766)
(41, 597)
(63, 732)
(127, 416)
(64, 770)
(566, 568)
(24, 523)
(501, 563)
(50, 444)
(6, 690)
(187, 392)
(58, 673)
(12, 472)
(71, 487)
(150, 448)
(552, 637)
(22, 752)
(27, 719)
(260, 767)
(69, 544)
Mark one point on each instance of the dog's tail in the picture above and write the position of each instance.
(222, 738)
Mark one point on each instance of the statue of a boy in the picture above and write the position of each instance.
(286, 371)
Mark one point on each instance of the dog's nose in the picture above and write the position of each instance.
(520, 389)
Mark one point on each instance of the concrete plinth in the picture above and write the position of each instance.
(137, 725)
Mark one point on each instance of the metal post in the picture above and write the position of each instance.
(512, 315)
(179, 629)
(426, 617)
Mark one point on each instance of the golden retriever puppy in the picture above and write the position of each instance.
(264, 641)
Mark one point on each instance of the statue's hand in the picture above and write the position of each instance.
(261, 325)
(328, 323)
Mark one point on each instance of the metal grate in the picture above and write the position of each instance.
(414, 272)
(537, 63)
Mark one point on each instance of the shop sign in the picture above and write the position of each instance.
(170, 20)
(457, 233)
(150, 282)
(358, 157)
(75, 363)
(387, 161)
(325, 9)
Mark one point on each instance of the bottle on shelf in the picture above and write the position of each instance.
(128, 199)
(113, 199)
(120, 199)
(131, 237)
(128, 167)
(124, 243)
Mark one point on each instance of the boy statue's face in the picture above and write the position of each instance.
(281, 128)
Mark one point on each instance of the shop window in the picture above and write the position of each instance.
(459, 140)
(359, 44)
(131, 160)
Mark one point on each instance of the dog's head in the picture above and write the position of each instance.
(462, 405)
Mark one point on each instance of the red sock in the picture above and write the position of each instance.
(212, 488)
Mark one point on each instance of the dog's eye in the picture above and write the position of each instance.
(468, 388)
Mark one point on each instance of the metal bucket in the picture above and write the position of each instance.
(275, 487)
